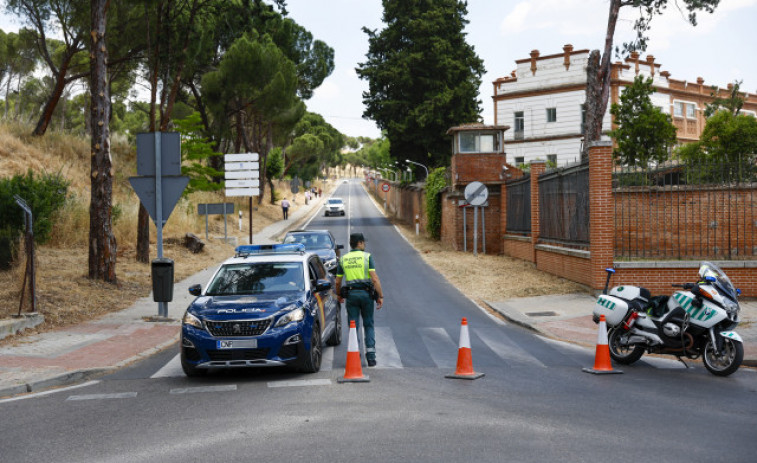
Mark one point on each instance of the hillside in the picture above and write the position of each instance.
(65, 294)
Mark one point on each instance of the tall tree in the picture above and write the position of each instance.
(732, 103)
(598, 85)
(20, 60)
(423, 77)
(102, 243)
(644, 133)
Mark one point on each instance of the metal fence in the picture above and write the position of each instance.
(564, 206)
(519, 206)
(694, 210)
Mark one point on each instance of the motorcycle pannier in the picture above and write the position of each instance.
(613, 308)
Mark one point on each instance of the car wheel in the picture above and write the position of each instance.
(189, 369)
(312, 361)
(342, 212)
(336, 337)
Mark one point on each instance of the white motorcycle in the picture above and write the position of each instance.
(697, 321)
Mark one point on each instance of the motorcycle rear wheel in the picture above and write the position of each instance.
(623, 354)
(727, 362)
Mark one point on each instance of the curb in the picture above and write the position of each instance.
(63, 379)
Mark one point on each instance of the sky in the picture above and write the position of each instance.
(722, 48)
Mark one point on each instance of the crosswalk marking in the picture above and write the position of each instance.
(386, 349)
(505, 348)
(441, 347)
(299, 383)
(171, 369)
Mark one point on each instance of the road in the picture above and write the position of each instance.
(534, 403)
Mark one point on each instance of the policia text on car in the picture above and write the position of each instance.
(358, 284)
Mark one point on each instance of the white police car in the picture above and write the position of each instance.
(268, 305)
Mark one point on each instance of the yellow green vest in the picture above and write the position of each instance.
(355, 267)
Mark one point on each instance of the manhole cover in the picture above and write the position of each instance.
(541, 314)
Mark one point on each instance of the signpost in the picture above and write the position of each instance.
(476, 195)
(159, 185)
(242, 177)
(216, 209)
(385, 188)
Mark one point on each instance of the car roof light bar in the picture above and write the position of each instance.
(258, 249)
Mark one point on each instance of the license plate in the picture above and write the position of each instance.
(238, 344)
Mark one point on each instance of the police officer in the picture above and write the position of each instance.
(358, 283)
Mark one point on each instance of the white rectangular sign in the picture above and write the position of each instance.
(241, 166)
(242, 192)
(241, 174)
(243, 157)
(248, 183)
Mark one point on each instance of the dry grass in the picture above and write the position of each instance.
(64, 293)
(488, 277)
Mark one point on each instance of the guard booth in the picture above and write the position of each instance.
(478, 155)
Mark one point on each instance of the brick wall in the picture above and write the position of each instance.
(518, 248)
(573, 268)
(477, 167)
(452, 222)
(402, 203)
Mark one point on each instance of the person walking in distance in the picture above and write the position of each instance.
(285, 208)
(358, 284)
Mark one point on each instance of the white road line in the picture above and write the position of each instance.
(440, 345)
(53, 391)
(199, 389)
(386, 350)
(117, 395)
(172, 369)
(300, 383)
(505, 348)
(327, 361)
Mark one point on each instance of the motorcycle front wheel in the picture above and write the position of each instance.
(728, 361)
(621, 353)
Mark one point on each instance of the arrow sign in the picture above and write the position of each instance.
(243, 192)
(241, 174)
(243, 157)
(251, 183)
(171, 190)
(242, 166)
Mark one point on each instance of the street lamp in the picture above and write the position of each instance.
(418, 163)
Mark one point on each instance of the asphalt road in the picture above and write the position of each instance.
(534, 404)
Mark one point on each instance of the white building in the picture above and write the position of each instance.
(542, 100)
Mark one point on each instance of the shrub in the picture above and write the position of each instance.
(435, 183)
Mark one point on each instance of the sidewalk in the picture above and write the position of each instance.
(568, 317)
(90, 349)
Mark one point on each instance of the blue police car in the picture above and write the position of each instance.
(268, 305)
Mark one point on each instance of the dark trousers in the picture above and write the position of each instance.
(286, 212)
(359, 304)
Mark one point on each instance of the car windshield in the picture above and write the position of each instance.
(257, 278)
(722, 282)
(335, 201)
(311, 240)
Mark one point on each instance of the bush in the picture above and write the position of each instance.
(8, 247)
(435, 183)
(44, 194)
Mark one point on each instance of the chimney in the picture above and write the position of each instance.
(700, 80)
(534, 55)
(566, 57)
(635, 59)
(650, 61)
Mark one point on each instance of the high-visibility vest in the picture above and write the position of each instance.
(355, 267)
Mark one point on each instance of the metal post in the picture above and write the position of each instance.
(30, 271)
(250, 219)
(475, 230)
(240, 220)
(483, 229)
(225, 234)
(206, 223)
(465, 230)
(162, 306)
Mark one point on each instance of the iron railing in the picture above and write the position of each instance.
(564, 206)
(679, 210)
(519, 206)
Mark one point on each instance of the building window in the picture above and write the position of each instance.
(520, 125)
(477, 142)
(519, 160)
(468, 142)
(552, 159)
(583, 119)
(691, 111)
(678, 109)
(551, 114)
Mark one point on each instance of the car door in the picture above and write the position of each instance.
(325, 299)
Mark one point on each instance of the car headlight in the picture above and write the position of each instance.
(295, 315)
(191, 320)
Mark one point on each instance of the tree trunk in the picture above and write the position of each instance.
(52, 101)
(592, 123)
(102, 243)
(597, 98)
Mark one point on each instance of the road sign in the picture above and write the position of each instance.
(171, 190)
(215, 208)
(385, 187)
(241, 172)
(169, 144)
(476, 193)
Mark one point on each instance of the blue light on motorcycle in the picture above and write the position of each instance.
(738, 291)
(711, 279)
(610, 270)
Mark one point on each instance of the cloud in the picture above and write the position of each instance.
(328, 90)
(556, 17)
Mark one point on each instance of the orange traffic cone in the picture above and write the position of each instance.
(602, 364)
(353, 371)
(464, 358)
